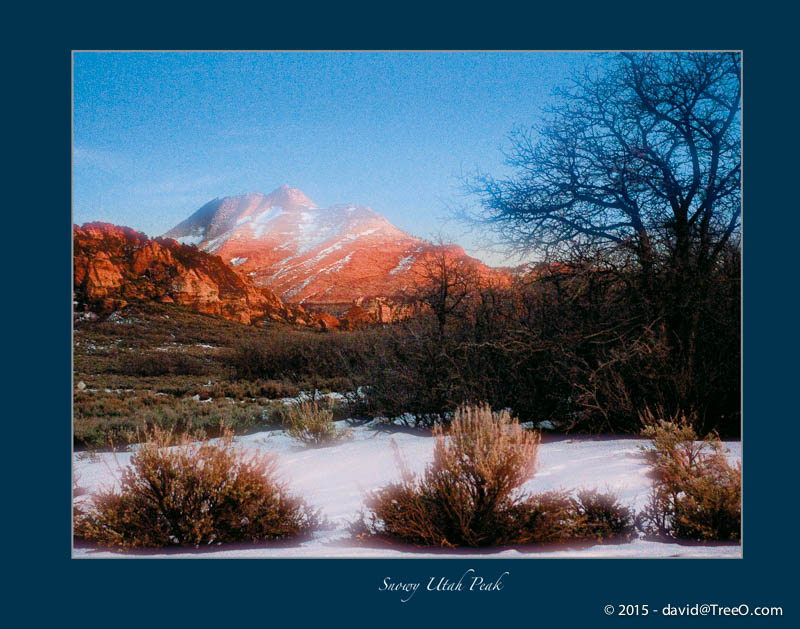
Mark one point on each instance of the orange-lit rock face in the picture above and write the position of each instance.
(116, 265)
(328, 321)
(307, 254)
(102, 277)
(152, 255)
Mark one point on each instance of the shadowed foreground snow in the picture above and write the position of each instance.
(335, 478)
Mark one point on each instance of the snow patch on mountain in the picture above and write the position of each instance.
(194, 238)
(404, 263)
(315, 228)
(212, 246)
(336, 266)
(366, 232)
(261, 222)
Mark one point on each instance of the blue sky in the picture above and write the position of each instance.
(157, 135)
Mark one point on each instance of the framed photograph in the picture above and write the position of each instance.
(407, 304)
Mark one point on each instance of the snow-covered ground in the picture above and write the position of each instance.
(335, 478)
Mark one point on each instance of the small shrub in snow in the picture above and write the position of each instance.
(463, 497)
(470, 494)
(602, 516)
(195, 493)
(311, 422)
(696, 493)
(557, 516)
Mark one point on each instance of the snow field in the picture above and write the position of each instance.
(334, 479)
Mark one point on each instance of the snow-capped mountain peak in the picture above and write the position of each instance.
(303, 252)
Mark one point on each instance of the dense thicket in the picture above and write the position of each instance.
(574, 345)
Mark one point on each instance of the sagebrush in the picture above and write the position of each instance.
(181, 492)
(311, 423)
(697, 493)
(470, 495)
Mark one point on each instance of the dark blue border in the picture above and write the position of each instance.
(53, 587)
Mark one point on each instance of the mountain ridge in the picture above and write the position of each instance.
(308, 254)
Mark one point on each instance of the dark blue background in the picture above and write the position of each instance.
(48, 586)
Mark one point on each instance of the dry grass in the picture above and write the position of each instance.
(102, 417)
(147, 368)
(179, 492)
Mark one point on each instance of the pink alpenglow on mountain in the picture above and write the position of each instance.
(305, 253)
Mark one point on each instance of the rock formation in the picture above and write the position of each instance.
(115, 266)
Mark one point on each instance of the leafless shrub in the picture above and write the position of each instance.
(463, 496)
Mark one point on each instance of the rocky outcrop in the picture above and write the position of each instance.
(377, 310)
(115, 266)
(356, 317)
(268, 258)
(328, 322)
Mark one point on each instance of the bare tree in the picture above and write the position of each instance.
(645, 155)
(444, 282)
(637, 169)
(639, 163)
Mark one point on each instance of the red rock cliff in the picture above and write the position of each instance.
(116, 265)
